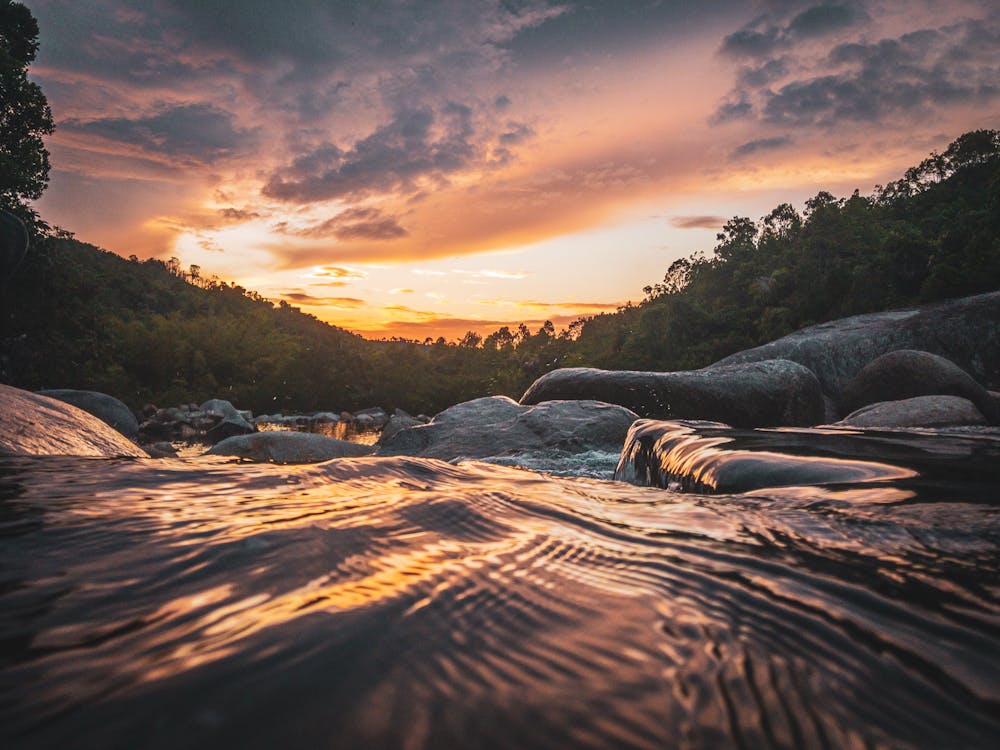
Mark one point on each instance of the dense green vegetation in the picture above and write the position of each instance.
(146, 331)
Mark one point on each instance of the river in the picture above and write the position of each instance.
(409, 603)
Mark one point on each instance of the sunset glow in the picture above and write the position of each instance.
(424, 169)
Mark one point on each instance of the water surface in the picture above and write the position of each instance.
(406, 603)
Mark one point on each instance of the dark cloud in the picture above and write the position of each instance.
(414, 145)
(189, 132)
(762, 75)
(764, 36)
(698, 222)
(516, 132)
(238, 214)
(358, 224)
(824, 19)
(866, 81)
(502, 101)
(762, 144)
(728, 111)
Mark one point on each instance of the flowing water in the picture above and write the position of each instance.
(407, 603)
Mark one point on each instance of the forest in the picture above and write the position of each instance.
(149, 331)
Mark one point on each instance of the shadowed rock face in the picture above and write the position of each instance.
(920, 411)
(965, 331)
(906, 374)
(13, 243)
(106, 408)
(497, 425)
(758, 394)
(283, 447)
(34, 425)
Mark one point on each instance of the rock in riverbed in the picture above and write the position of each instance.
(106, 408)
(285, 447)
(758, 394)
(497, 425)
(919, 411)
(35, 425)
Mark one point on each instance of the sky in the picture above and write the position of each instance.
(428, 167)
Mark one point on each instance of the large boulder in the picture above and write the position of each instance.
(497, 425)
(35, 425)
(106, 408)
(283, 447)
(965, 331)
(920, 411)
(757, 394)
(709, 457)
(906, 373)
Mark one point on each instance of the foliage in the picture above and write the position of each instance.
(24, 116)
(152, 332)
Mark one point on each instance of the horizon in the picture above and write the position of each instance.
(436, 169)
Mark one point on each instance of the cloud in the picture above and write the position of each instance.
(238, 214)
(844, 80)
(358, 224)
(516, 133)
(698, 222)
(763, 37)
(416, 144)
(196, 133)
(762, 144)
(307, 300)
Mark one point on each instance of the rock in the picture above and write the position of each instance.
(758, 394)
(497, 425)
(229, 428)
(161, 449)
(233, 422)
(905, 373)
(35, 425)
(372, 418)
(920, 411)
(285, 447)
(705, 457)
(400, 420)
(106, 408)
(965, 331)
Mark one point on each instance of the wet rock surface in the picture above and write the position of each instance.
(756, 394)
(36, 425)
(920, 411)
(106, 408)
(498, 425)
(286, 447)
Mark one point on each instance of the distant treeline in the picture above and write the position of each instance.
(80, 317)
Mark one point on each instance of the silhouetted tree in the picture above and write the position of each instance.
(24, 116)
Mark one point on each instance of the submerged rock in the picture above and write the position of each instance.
(35, 425)
(757, 394)
(497, 425)
(965, 331)
(711, 457)
(283, 447)
(106, 408)
(919, 411)
(906, 373)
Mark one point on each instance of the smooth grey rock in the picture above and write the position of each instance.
(497, 425)
(35, 425)
(106, 408)
(919, 411)
(373, 417)
(400, 420)
(756, 394)
(906, 373)
(220, 407)
(228, 428)
(965, 331)
(286, 447)
(702, 457)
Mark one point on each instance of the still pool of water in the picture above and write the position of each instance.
(407, 603)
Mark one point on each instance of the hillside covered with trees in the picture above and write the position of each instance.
(147, 331)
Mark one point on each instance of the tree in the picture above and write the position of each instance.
(24, 116)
